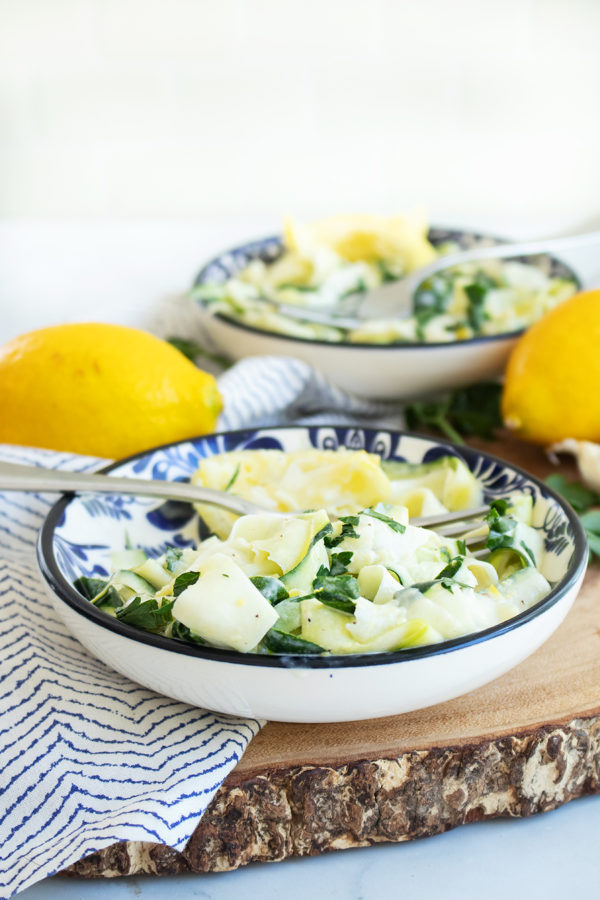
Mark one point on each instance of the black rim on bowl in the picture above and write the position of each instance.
(256, 250)
(67, 593)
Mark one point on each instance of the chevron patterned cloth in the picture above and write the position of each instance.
(88, 758)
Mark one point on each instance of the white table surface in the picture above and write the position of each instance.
(551, 856)
(119, 272)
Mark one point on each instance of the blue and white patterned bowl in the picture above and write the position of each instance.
(375, 371)
(81, 531)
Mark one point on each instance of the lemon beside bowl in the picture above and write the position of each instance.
(375, 371)
(100, 389)
(550, 388)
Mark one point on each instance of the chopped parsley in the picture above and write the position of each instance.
(446, 583)
(504, 532)
(452, 568)
(271, 588)
(337, 591)
(395, 526)
(172, 557)
(325, 530)
(476, 295)
(349, 524)
(146, 614)
(340, 562)
(233, 478)
(99, 591)
(276, 641)
(183, 581)
(183, 633)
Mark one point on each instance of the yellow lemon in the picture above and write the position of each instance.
(551, 389)
(356, 238)
(103, 390)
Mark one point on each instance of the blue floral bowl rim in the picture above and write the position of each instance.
(253, 247)
(67, 593)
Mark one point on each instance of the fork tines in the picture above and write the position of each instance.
(461, 515)
(464, 521)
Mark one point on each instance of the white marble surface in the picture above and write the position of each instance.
(118, 272)
(550, 856)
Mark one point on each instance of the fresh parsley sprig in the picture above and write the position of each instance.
(577, 494)
(471, 411)
(194, 351)
(585, 502)
(591, 523)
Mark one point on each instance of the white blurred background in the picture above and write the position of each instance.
(139, 136)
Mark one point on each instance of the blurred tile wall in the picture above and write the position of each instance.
(214, 109)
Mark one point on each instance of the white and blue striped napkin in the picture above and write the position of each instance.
(88, 758)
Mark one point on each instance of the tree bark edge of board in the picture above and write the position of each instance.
(307, 810)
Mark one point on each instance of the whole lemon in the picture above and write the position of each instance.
(552, 378)
(104, 390)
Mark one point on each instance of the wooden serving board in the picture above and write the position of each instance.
(523, 744)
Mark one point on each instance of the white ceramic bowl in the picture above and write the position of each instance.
(80, 532)
(378, 371)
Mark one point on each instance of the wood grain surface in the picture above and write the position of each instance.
(525, 743)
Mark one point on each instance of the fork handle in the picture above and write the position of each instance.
(501, 251)
(14, 477)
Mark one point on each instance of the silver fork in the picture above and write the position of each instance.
(463, 521)
(14, 477)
